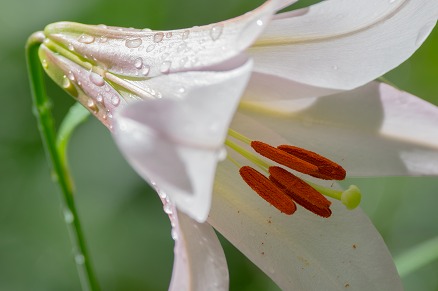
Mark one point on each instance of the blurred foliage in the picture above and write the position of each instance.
(127, 231)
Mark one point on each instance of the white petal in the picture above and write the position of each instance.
(302, 251)
(176, 142)
(342, 44)
(139, 53)
(87, 87)
(199, 262)
(375, 130)
(276, 93)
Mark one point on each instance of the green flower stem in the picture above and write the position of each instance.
(56, 154)
(417, 257)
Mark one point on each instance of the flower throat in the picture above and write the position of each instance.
(281, 188)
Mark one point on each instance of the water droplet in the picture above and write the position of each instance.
(424, 33)
(68, 216)
(150, 48)
(181, 47)
(133, 43)
(216, 31)
(185, 34)
(91, 105)
(70, 47)
(66, 82)
(181, 90)
(169, 34)
(107, 88)
(103, 26)
(138, 63)
(97, 79)
(259, 22)
(183, 61)
(45, 64)
(335, 67)
(79, 259)
(71, 76)
(102, 39)
(146, 30)
(174, 234)
(145, 70)
(99, 98)
(85, 38)
(167, 208)
(165, 67)
(158, 37)
(115, 100)
(222, 154)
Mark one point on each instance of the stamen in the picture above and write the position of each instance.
(268, 190)
(300, 191)
(327, 169)
(284, 158)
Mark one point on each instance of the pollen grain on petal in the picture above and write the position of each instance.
(327, 169)
(284, 158)
(267, 190)
(300, 191)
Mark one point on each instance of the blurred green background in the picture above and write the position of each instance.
(127, 231)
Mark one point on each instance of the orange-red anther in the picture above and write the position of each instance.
(268, 190)
(284, 158)
(327, 169)
(300, 191)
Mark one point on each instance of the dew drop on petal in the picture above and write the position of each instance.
(91, 105)
(66, 82)
(150, 48)
(45, 64)
(165, 67)
(71, 76)
(115, 100)
(97, 79)
(70, 47)
(167, 208)
(216, 31)
(169, 34)
(145, 70)
(335, 67)
(181, 47)
(174, 234)
(185, 34)
(158, 37)
(138, 63)
(133, 43)
(102, 39)
(99, 98)
(85, 38)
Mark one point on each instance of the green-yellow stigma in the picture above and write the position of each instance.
(282, 188)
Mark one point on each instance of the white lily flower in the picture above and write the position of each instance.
(169, 98)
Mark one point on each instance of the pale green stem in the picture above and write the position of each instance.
(56, 154)
(253, 158)
(417, 257)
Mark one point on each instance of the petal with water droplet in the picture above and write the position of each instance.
(205, 45)
(343, 44)
(175, 141)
